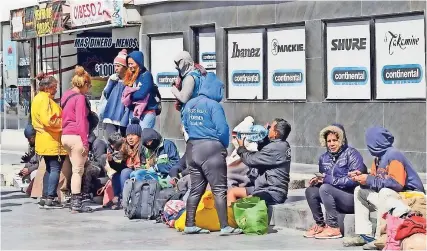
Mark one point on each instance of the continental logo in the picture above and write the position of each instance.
(402, 74)
(246, 78)
(208, 57)
(349, 76)
(287, 78)
(165, 79)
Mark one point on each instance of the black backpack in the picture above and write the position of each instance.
(139, 199)
(158, 99)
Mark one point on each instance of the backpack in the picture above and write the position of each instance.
(139, 199)
(172, 211)
(168, 194)
(158, 99)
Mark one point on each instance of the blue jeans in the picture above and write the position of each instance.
(146, 120)
(51, 176)
(118, 181)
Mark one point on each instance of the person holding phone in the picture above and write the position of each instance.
(331, 186)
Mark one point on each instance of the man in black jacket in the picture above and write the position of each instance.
(270, 165)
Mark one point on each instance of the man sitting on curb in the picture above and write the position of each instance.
(272, 165)
(391, 173)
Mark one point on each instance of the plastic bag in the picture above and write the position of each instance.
(206, 215)
(251, 215)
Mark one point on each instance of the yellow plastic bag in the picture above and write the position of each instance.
(206, 215)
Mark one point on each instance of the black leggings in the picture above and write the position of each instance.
(206, 161)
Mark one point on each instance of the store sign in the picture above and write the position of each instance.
(348, 60)
(400, 57)
(164, 49)
(105, 42)
(207, 54)
(286, 63)
(245, 64)
(90, 12)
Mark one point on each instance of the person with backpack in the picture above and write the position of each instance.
(137, 76)
(114, 109)
(188, 83)
(46, 118)
(75, 132)
(208, 137)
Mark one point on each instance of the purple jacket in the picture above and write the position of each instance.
(337, 166)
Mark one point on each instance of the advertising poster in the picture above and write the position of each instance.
(400, 58)
(348, 60)
(29, 22)
(286, 63)
(17, 24)
(164, 49)
(207, 55)
(96, 53)
(10, 55)
(44, 20)
(245, 64)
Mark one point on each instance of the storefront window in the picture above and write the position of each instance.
(16, 91)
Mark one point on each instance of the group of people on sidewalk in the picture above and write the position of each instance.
(130, 103)
(344, 186)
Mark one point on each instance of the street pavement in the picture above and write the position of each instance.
(25, 226)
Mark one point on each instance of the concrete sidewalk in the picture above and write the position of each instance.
(25, 226)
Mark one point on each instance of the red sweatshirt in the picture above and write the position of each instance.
(74, 116)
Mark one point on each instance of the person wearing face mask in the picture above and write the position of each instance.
(137, 76)
(332, 187)
(269, 167)
(159, 154)
(75, 132)
(188, 84)
(46, 118)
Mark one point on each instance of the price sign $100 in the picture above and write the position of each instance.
(104, 70)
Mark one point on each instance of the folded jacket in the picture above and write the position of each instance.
(410, 226)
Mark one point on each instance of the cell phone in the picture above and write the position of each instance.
(319, 175)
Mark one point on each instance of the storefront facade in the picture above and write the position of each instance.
(357, 63)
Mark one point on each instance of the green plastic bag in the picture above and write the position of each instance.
(251, 215)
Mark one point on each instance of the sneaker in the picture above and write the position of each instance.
(354, 241)
(315, 229)
(86, 197)
(53, 204)
(77, 205)
(42, 203)
(370, 246)
(329, 233)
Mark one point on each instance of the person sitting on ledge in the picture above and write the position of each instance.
(271, 167)
(332, 187)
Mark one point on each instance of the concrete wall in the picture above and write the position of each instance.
(405, 119)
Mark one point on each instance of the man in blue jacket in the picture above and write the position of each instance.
(208, 137)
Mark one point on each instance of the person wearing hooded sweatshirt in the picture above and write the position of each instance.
(208, 137)
(332, 187)
(158, 154)
(137, 76)
(190, 79)
(114, 109)
(391, 173)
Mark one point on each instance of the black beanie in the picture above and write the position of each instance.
(134, 127)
